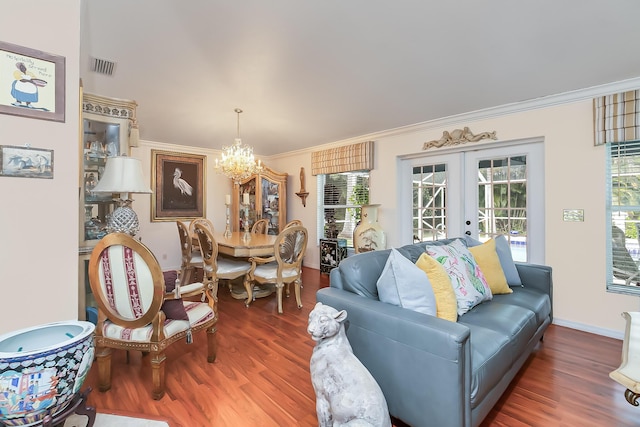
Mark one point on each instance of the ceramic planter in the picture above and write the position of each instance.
(42, 368)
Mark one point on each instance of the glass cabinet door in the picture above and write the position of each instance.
(100, 141)
(271, 204)
(267, 200)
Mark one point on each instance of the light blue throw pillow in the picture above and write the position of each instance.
(403, 284)
(504, 255)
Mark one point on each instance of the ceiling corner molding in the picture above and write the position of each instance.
(501, 110)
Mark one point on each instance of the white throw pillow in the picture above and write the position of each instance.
(468, 282)
(403, 284)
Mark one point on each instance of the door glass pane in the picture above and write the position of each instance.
(271, 205)
(502, 202)
(429, 202)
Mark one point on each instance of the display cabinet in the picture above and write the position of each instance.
(106, 127)
(267, 192)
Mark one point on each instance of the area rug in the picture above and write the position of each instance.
(110, 420)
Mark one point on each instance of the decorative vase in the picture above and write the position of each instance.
(368, 235)
(42, 369)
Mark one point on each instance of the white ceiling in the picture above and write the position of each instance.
(309, 72)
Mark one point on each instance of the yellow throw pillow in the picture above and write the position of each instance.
(488, 261)
(446, 303)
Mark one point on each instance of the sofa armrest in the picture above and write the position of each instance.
(421, 362)
(539, 277)
(535, 276)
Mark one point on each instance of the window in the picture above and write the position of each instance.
(623, 212)
(341, 195)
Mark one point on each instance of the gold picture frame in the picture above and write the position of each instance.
(178, 183)
(32, 83)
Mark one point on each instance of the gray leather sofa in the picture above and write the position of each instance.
(435, 372)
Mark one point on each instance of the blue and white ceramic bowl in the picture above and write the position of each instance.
(42, 369)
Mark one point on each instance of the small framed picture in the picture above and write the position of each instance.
(26, 162)
(178, 186)
(31, 83)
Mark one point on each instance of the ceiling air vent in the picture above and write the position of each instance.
(103, 66)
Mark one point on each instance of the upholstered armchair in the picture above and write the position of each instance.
(133, 314)
(282, 268)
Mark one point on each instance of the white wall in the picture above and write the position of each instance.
(39, 217)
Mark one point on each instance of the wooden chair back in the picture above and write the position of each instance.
(261, 226)
(126, 281)
(293, 223)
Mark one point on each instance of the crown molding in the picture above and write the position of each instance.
(487, 113)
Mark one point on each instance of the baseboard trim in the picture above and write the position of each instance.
(589, 328)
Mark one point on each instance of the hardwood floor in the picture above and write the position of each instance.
(261, 376)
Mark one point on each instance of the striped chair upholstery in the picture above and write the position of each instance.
(129, 288)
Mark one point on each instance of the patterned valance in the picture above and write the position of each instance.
(617, 117)
(348, 158)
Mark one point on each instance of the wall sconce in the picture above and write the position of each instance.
(303, 193)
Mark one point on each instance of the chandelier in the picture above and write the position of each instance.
(237, 160)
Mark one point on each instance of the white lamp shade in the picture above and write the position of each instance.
(122, 174)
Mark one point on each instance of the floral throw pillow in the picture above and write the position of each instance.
(469, 284)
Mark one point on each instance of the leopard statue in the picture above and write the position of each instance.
(346, 392)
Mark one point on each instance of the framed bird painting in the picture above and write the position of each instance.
(178, 183)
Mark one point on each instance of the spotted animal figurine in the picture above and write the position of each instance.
(346, 392)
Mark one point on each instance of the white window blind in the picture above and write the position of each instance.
(340, 197)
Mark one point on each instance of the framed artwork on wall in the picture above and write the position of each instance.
(178, 184)
(32, 83)
(26, 162)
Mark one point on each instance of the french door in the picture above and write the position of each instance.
(481, 193)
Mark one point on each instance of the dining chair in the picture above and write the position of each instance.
(261, 226)
(191, 258)
(204, 221)
(282, 268)
(292, 223)
(129, 288)
(217, 267)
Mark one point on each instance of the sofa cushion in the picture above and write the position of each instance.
(534, 300)
(489, 262)
(468, 282)
(446, 303)
(403, 284)
(499, 333)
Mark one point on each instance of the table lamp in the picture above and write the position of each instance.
(123, 175)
